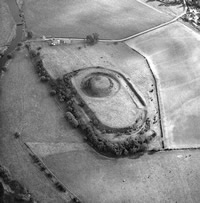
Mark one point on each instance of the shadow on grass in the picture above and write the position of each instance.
(137, 155)
(152, 152)
(140, 154)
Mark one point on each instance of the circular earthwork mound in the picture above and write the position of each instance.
(99, 85)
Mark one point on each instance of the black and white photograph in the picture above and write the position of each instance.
(99, 101)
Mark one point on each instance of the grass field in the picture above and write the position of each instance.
(24, 108)
(7, 26)
(75, 18)
(163, 177)
(173, 54)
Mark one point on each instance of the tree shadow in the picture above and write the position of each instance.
(152, 152)
(137, 155)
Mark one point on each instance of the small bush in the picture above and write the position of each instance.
(95, 37)
(29, 35)
(36, 160)
(75, 199)
(27, 46)
(32, 54)
(125, 152)
(16, 186)
(92, 39)
(17, 135)
(44, 79)
(42, 168)
(70, 117)
(4, 69)
(60, 187)
(52, 92)
(4, 174)
(89, 40)
(48, 174)
(9, 56)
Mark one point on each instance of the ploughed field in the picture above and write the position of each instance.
(111, 19)
(173, 53)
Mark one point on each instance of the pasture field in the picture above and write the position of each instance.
(76, 18)
(162, 177)
(24, 101)
(7, 26)
(173, 53)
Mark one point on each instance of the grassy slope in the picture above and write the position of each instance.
(111, 19)
(7, 25)
(25, 107)
(174, 52)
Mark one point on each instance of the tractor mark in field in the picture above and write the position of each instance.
(182, 85)
(159, 52)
